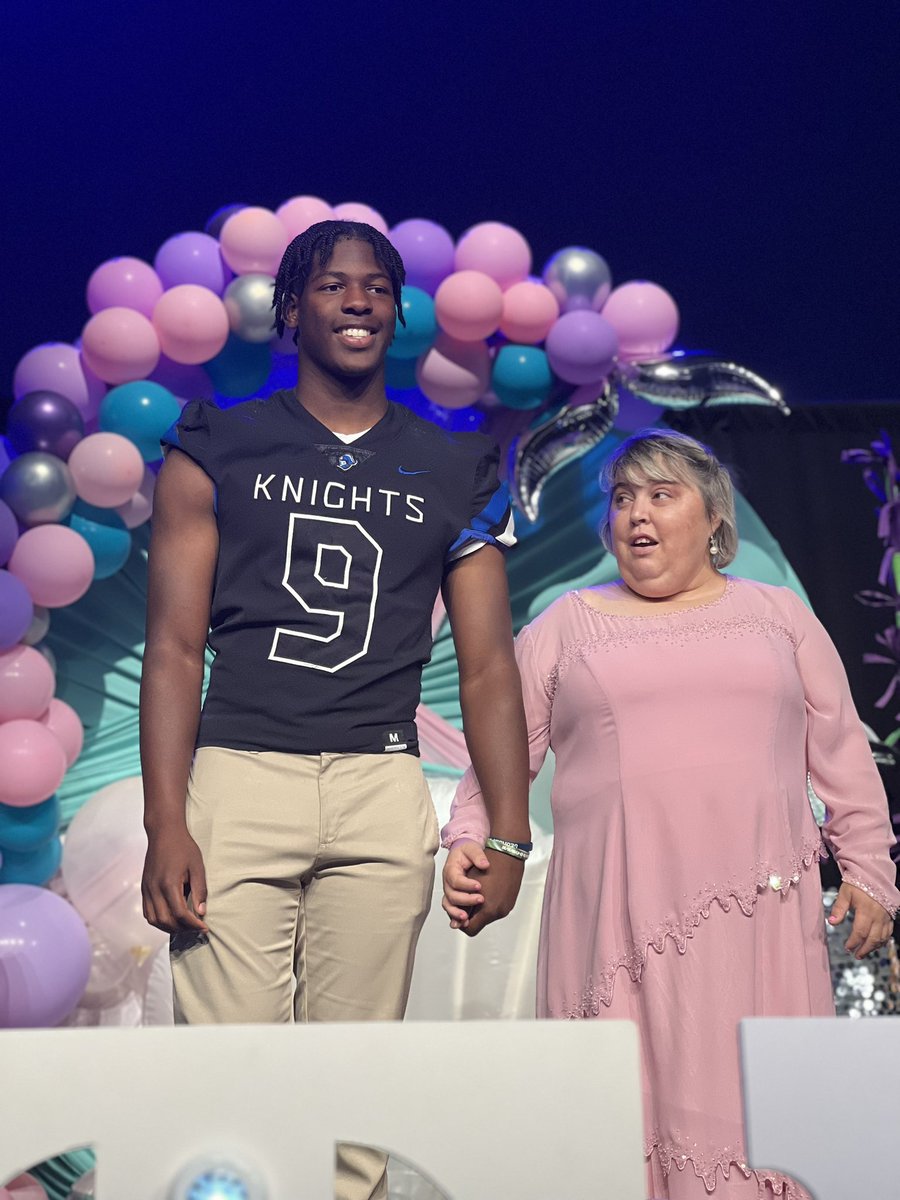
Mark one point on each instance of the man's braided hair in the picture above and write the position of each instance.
(314, 247)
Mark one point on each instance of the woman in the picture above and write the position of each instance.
(685, 708)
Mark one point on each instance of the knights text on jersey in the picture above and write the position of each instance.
(330, 560)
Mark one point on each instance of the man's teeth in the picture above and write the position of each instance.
(356, 333)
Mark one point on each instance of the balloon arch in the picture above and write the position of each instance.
(558, 366)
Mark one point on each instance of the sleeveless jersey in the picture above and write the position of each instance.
(330, 560)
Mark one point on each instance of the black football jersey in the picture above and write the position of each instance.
(330, 559)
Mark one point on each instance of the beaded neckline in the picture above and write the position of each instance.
(730, 582)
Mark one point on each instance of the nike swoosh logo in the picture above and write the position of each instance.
(402, 472)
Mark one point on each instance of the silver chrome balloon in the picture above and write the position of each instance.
(578, 278)
(563, 437)
(248, 302)
(689, 380)
(38, 487)
(40, 624)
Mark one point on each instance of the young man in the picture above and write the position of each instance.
(307, 535)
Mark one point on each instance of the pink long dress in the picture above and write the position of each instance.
(683, 890)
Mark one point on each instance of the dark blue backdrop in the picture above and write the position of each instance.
(738, 154)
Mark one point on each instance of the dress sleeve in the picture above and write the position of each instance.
(489, 519)
(842, 770)
(468, 815)
(191, 434)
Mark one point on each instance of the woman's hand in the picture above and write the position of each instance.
(462, 893)
(872, 924)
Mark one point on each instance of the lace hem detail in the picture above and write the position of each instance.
(706, 1165)
(876, 893)
(599, 989)
(661, 630)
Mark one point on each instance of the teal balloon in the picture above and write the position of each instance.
(521, 377)
(23, 830)
(400, 374)
(106, 534)
(413, 339)
(31, 866)
(142, 411)
(240, 368)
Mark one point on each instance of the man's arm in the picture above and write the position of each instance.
(476, 595)
(183, 550)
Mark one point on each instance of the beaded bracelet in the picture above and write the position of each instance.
(519, 850)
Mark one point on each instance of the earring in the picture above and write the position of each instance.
(713, 546)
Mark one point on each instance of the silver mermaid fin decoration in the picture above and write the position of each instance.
(689, 380)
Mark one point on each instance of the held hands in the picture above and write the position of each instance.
(480, 886)
(173, 870)
(872, 924)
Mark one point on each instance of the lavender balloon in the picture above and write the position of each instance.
(45, 957)
(45, 421)
(16, 610)
(9, 532)
(192, 258)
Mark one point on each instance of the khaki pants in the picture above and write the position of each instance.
(319, 871)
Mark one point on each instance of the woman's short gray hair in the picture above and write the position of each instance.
(657, 455)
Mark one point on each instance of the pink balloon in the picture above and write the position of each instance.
(58, 367)
(23, 1187)
(644, 316)
(454, 374)
(120, 345)
(191, 323)
(138, 509)
(253, 239)
(26, 684)
(469, 305)
(32, 763)
(529, 310)
(496, 249)
(298, 213)
(351, 210)
(125, 282)
(65, 724)
(54, 562)
(107, 469)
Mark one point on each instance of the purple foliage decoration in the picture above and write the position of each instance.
(882, 478)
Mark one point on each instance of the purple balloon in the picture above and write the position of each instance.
(192, 258)
(9, 532)
(427, 252)
(45, 421)
(183, 380)
(45, 957)
(58, 367)
(16, 609)
(581, 346)
(214, 225)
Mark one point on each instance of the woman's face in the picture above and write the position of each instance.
(660, 536)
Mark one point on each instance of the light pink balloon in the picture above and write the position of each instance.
(253, 239)
(125, 282)
(107, 469)
(454, 374)
(32, 763)
(65, 724)
(55, 563)
(59, 367)
(469, 305)
(139, 508)
(120, 345)
(298, 213)
(351, 210)
(26, 684)
(529, 310)
(102, 862)
(644, 316)
(191, 323)
(496, 249)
